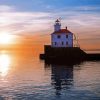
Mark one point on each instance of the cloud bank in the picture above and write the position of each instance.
(17, 21)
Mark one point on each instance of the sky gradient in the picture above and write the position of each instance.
(36, 18)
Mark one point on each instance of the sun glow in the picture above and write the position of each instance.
(4, 64)
(6, 38)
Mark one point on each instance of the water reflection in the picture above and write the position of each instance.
(62, 77)
(5, 61)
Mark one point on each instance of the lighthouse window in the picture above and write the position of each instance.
(66, 43)
(55, 43)
(66, 36)
(62, 43)
(59, 36)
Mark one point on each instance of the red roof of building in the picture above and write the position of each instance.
(62, 31)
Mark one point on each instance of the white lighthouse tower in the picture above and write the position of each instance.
(57, 25)
(61, 37)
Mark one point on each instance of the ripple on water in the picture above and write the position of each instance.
(34, 80)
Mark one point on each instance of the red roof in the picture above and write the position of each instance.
(62, 31)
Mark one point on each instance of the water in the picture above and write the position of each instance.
(24, 77)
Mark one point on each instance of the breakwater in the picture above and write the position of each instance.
(66, 55)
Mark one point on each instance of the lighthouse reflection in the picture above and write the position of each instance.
(61, 77)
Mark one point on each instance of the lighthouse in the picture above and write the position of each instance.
(61, 37)
(62, 49)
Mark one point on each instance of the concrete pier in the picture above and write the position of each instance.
(66, 55)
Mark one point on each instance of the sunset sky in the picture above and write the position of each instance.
(32, 20)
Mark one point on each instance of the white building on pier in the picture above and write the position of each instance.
(61, 37)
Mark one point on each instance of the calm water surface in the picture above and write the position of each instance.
(25, 77)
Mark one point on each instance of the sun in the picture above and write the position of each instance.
(6, 38)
